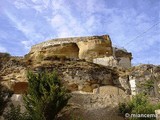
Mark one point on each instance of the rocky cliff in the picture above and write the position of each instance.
(87, 52)
(84, 79)
(147, 79)
(12, 70)
(74, 59)
(96, 73)
(86, 48)
(96, 49)
(77, 75)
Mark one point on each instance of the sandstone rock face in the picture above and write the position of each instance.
(96, 47)
(109, 90)
(86, 48)
(20, 87)
(69, 57)
(124, 62)
(123, 57)
(65, 50)
(94, 107)
(76, 75)
(124, 82)
(119, 52)
(14, 70)
(147, 78)
(80, 75)
(87, 106)
(106, 61)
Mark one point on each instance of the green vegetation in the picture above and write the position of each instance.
(4, 57)
(46, 96)
(5, 95)
(138, 105)
(56, 57)
(147, 87)
(14, 113)
(5, 54)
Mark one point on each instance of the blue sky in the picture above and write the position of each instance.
(27, 22)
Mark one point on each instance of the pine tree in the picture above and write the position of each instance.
(46, 96)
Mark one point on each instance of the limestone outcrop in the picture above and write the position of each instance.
(80, 75)
(90, 68)
(73, 58)
(86, 48)
(123, 57)
(76, 75)
(94, 106)
(147, 79)
(95, 47)
(12, 71)
(64, 50)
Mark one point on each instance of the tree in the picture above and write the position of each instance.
(46, 96)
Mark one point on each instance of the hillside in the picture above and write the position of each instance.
(97, 74)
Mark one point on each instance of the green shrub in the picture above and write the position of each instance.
(138, 105)
(5, 95)
(46, 96)
(14, 113)
(146, 87)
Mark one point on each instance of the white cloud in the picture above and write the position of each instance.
(66, 24)
(20, 24)
(27, 28)
(27, 44)
(88, 17)
(21, 4)
(3, 49)
(38, 5)
(58, 21)
(121, 25)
